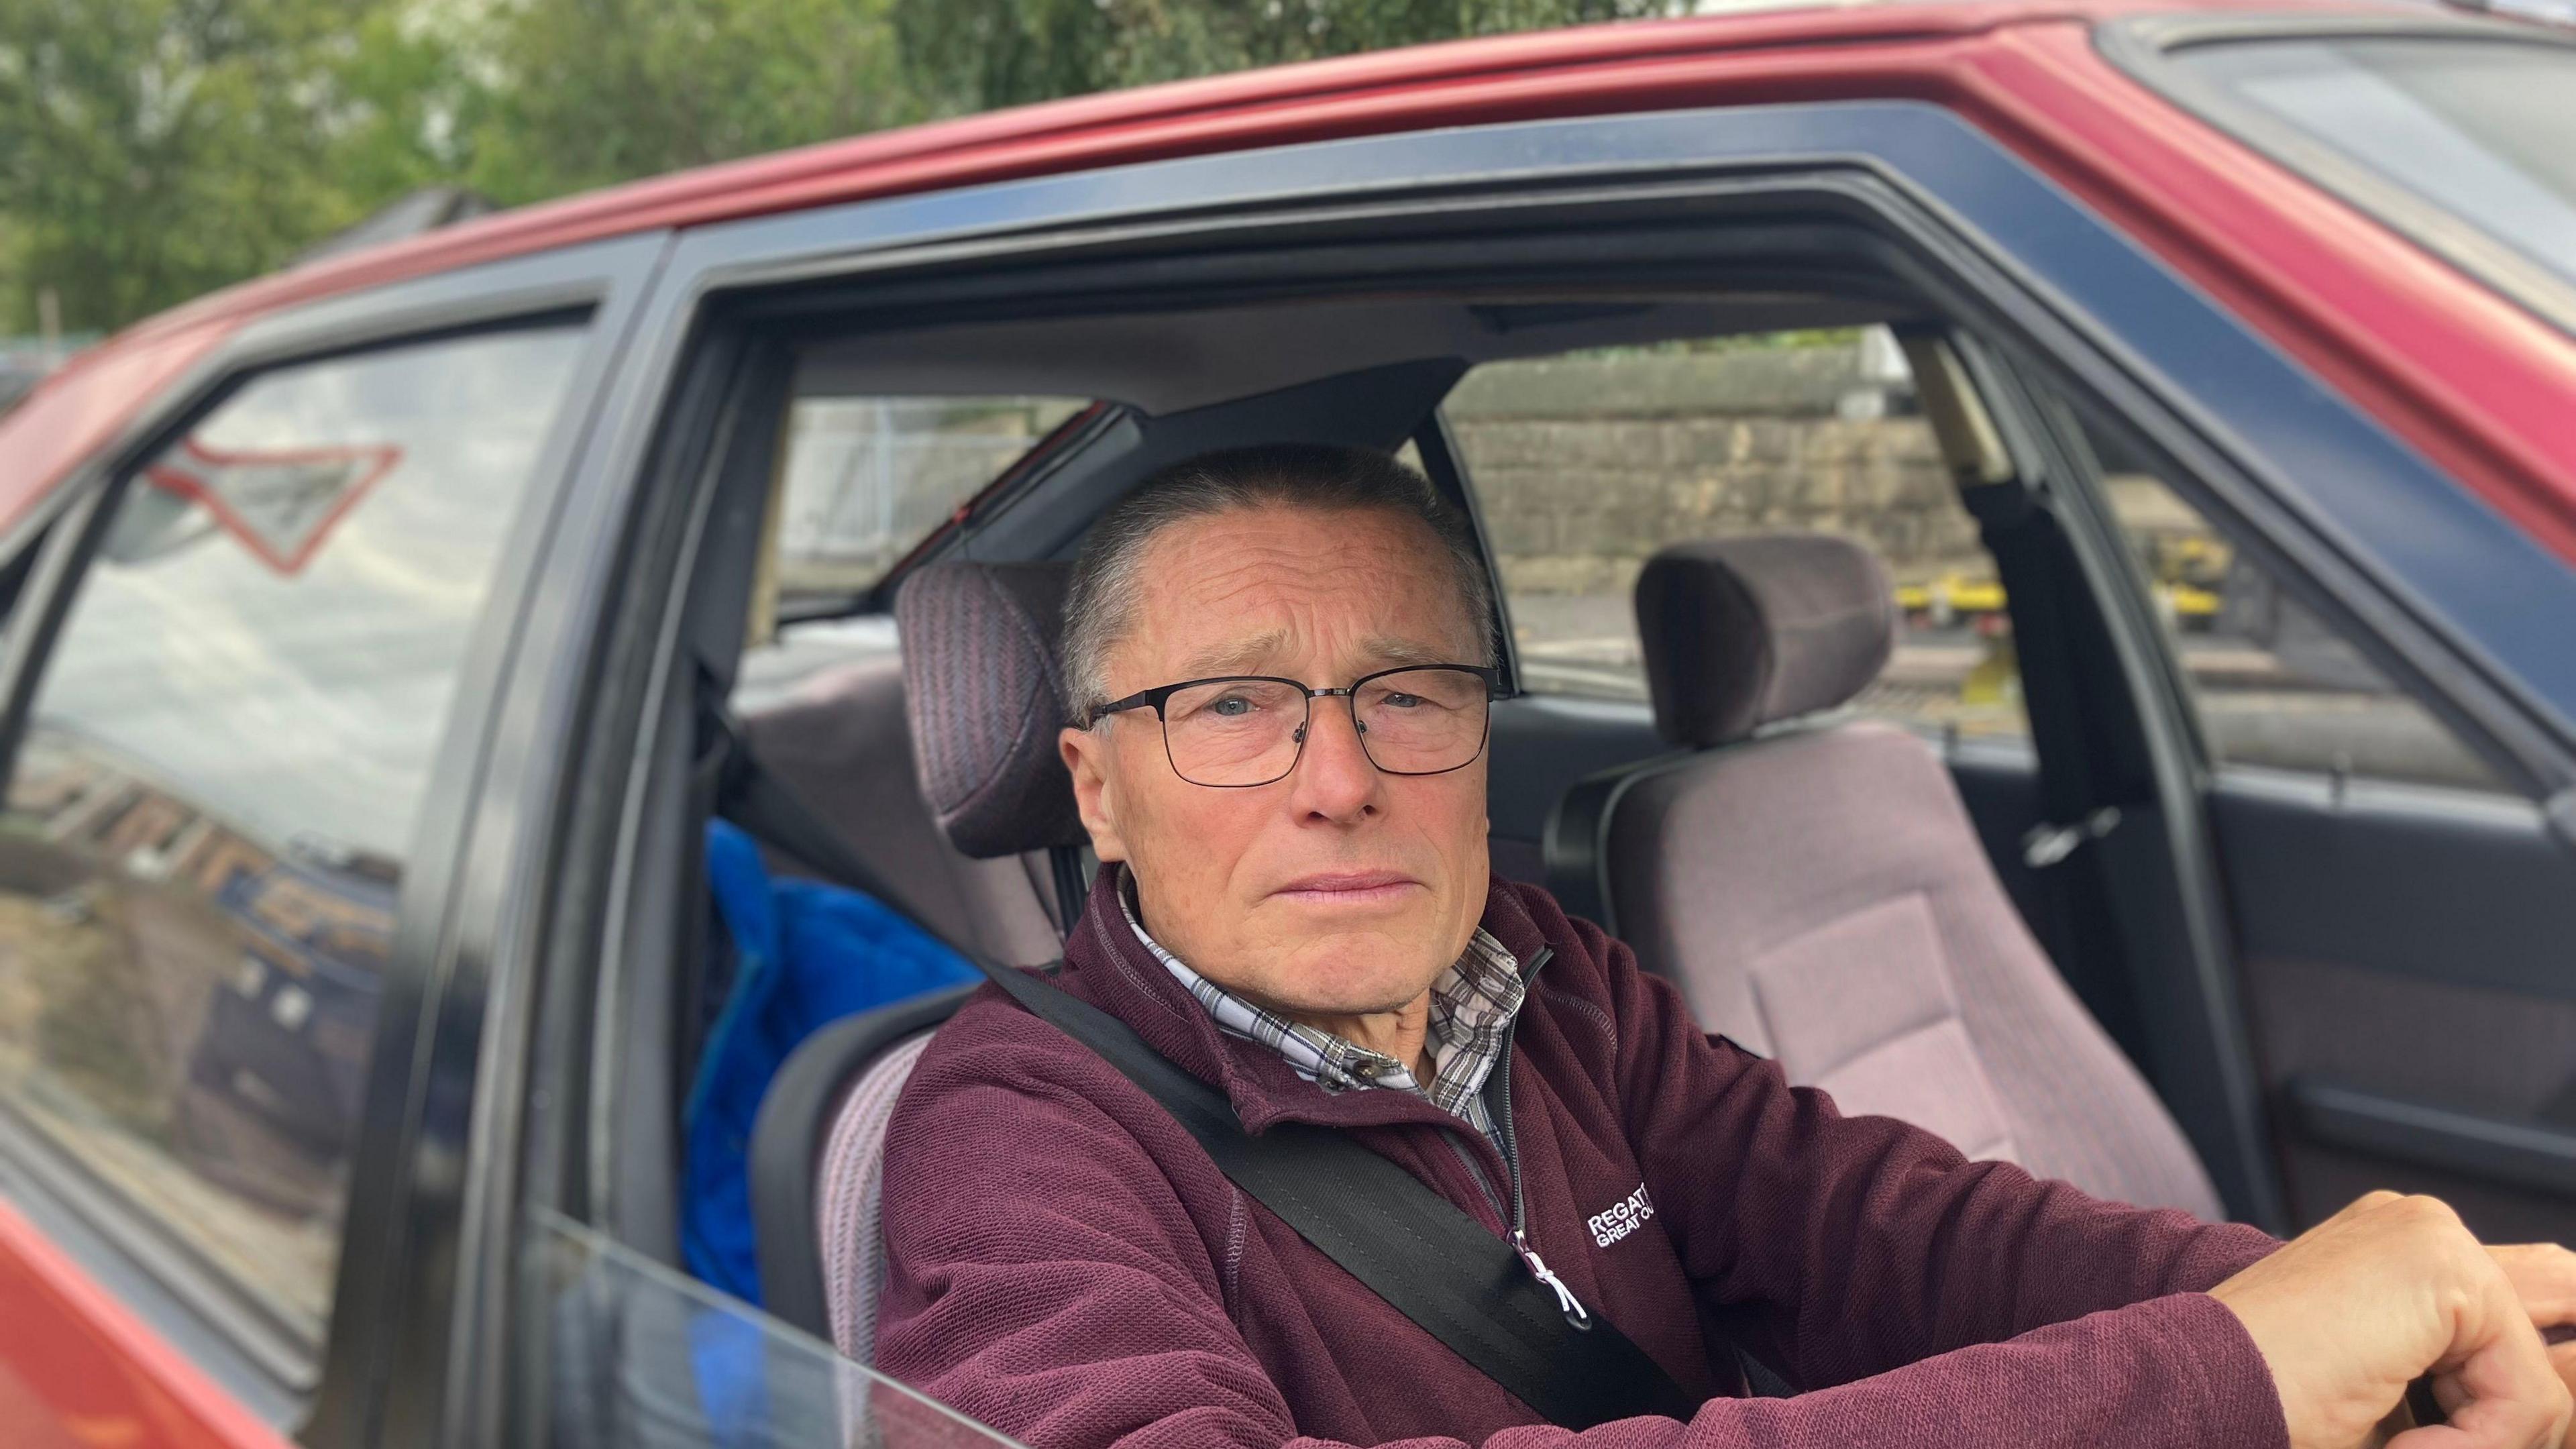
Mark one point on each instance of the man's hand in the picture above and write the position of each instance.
(2355, 1308)
(2543, 1276)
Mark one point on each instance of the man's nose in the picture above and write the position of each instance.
(1334, 778)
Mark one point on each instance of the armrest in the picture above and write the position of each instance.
(2519, 1151)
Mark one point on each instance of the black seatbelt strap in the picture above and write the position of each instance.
(697, 925)
(1064, 864)
(2029, 549)
(1429, 1260)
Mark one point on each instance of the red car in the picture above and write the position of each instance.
(2205, 377)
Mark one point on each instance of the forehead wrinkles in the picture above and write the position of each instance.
(1214, 581)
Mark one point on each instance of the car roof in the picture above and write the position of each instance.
(1544, 73)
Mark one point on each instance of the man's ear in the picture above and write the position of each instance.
(1086, 758)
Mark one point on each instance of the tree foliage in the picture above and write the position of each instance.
(585, 93)
(977, 54)
(153, 149)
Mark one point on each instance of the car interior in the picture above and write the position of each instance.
(2079, 943)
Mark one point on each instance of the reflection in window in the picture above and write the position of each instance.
(1585, 464)
(2478, 128)
(620, 1352)
(2275, 685)
(866, 479)
(205, 835)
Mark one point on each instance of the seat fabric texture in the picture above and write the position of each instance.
(849, 1195)
(981, 689)
(843, 743)
(1818, 892)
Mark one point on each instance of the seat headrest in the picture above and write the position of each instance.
(979, 672)
(1747, 631)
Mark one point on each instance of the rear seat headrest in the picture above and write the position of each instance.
(979, 676)
(1747, 631)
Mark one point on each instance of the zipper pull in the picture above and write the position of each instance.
(1566, 1302)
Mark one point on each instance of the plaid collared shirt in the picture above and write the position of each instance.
(1473, 1002)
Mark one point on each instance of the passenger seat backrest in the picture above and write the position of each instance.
(849, 1195)
(827, 1109)
(1819, 894)
(980, 685)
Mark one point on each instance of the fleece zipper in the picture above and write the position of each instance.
(1501, 1102)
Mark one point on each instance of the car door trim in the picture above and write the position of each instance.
(336, 1391)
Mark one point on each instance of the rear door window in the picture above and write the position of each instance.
(866, 479)
(862, 482)
(208, 825)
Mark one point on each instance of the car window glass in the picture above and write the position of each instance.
(1586, 463)
(865, 480)
(2476, 128)
(629, 1354)
(2275, 684)
(208, 824)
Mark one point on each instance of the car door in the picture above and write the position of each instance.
(249, 687)
(582, 1330)
(2400, 902)
(2383, 745)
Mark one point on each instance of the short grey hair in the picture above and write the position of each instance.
(1100, 606)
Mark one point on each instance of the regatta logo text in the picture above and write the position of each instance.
(1620, 1218)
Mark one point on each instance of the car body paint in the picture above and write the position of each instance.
(79, 1369)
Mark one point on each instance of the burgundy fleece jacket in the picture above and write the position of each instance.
(1068, 1265)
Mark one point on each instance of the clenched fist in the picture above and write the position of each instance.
(2394, 1287)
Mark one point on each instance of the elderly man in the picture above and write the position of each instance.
(1280, 671)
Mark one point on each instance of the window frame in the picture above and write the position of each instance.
(325, 1393)
(767, 259)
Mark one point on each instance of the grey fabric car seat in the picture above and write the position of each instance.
(842, 743)
(980, 684)
(1816, 889)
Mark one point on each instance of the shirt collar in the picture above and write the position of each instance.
(1473, 1003)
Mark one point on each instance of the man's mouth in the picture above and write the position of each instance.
(1349, 888)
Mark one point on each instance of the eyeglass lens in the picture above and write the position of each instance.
(1249, 731)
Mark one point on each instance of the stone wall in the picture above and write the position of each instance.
(1585, 466)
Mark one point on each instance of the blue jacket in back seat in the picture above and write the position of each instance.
(807, 954)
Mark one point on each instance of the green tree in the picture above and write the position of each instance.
(151, 150)
(974, 54)
(589, 92)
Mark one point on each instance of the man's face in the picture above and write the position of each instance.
(1339, 889)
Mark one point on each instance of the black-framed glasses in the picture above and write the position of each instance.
(1239, 730)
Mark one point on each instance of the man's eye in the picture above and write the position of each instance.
(1402, 701)
(1232, 706)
